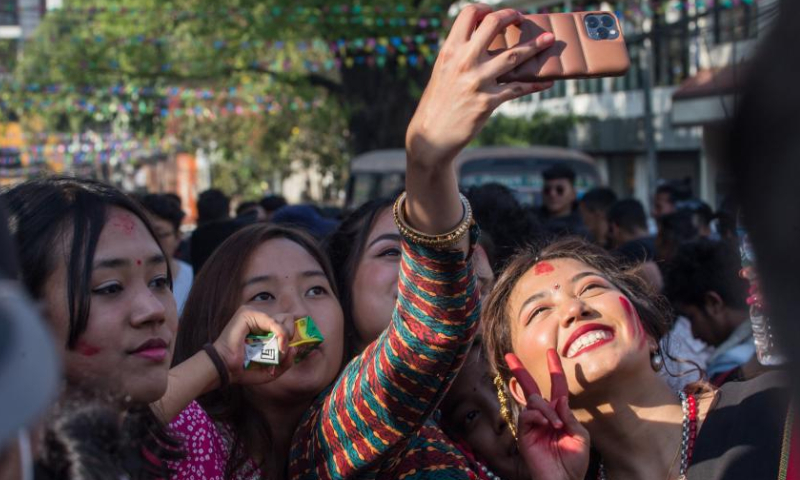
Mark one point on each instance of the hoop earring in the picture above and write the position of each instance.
(505, 412)
(656, 361)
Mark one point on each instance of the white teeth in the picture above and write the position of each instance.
(587, 339)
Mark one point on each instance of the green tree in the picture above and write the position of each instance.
(362, 68)
(540, 129)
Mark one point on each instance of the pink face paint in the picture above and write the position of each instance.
(635, 327)
(86, 349)
(124, 222)
(542, 268)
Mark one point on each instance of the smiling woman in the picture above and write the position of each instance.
(568, 320)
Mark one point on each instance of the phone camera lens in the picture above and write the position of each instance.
(592, 22)
(607, 21)
(602, 33)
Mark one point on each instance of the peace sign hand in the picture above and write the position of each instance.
(552, 441)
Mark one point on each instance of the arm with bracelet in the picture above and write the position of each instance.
(222, 362)
(363, 425)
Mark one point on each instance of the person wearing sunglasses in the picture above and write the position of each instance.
(559, 212)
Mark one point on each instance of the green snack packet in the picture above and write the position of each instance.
(264, 349)
(261, 349)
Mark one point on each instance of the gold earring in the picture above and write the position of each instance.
(505, 412)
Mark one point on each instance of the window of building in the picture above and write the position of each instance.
(738, 22)
(9, 14)
(670, 51)
(558, 90)
(633, 79)
(589, 85)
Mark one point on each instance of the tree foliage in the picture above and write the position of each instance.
(540, 129)
(317, 61)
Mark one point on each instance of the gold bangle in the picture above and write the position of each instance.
(444, 240)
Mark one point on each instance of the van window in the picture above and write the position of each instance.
(367, 186)
(524, 175)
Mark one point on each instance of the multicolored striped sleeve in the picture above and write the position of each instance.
(386, 394)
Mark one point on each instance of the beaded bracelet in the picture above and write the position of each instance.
(445, 240)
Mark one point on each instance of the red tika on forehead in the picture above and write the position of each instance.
(123, 222)
(542, 268)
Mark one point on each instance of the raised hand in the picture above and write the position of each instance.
(463, 90)
(230, 344)
(553, 443)
(461, 95)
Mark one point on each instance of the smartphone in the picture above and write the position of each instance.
(587, 45)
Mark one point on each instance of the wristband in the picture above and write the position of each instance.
(222, 370)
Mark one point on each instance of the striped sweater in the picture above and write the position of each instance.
(372, 422)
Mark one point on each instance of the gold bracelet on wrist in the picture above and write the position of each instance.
(445, 240)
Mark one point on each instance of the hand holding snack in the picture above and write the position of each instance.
(246, 321)
(263, 349)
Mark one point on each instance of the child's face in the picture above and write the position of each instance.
(471, 413)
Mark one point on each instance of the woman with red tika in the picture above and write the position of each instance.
(573, 339)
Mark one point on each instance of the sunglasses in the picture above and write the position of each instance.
(558, 189)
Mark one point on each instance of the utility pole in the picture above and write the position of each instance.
(646, 63)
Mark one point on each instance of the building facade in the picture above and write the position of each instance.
(670, 44)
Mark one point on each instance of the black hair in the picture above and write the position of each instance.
(678, 190)
(509, 225)
(244, 207)
(599, 199)
(558, 171)
(165, 207)
(703, 266)
(345, 247)
(628, 215)
(678, 227)
(271, 203)
(88, 437)
(42, 213)
(212, 205)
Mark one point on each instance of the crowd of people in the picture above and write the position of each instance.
(466, 336)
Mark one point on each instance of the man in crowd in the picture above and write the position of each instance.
(166, 215)
(559, 212)
(271, 204)
(593, 208)
(668, 195)
(703, 283)
(212, 205)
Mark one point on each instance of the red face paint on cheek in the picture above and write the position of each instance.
(542, 268)
(635, 328)
(86, 349)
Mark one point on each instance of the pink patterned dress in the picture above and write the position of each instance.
(207, 445)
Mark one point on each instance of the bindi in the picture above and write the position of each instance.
(86, 349)
(542, 268)
(138, 261)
